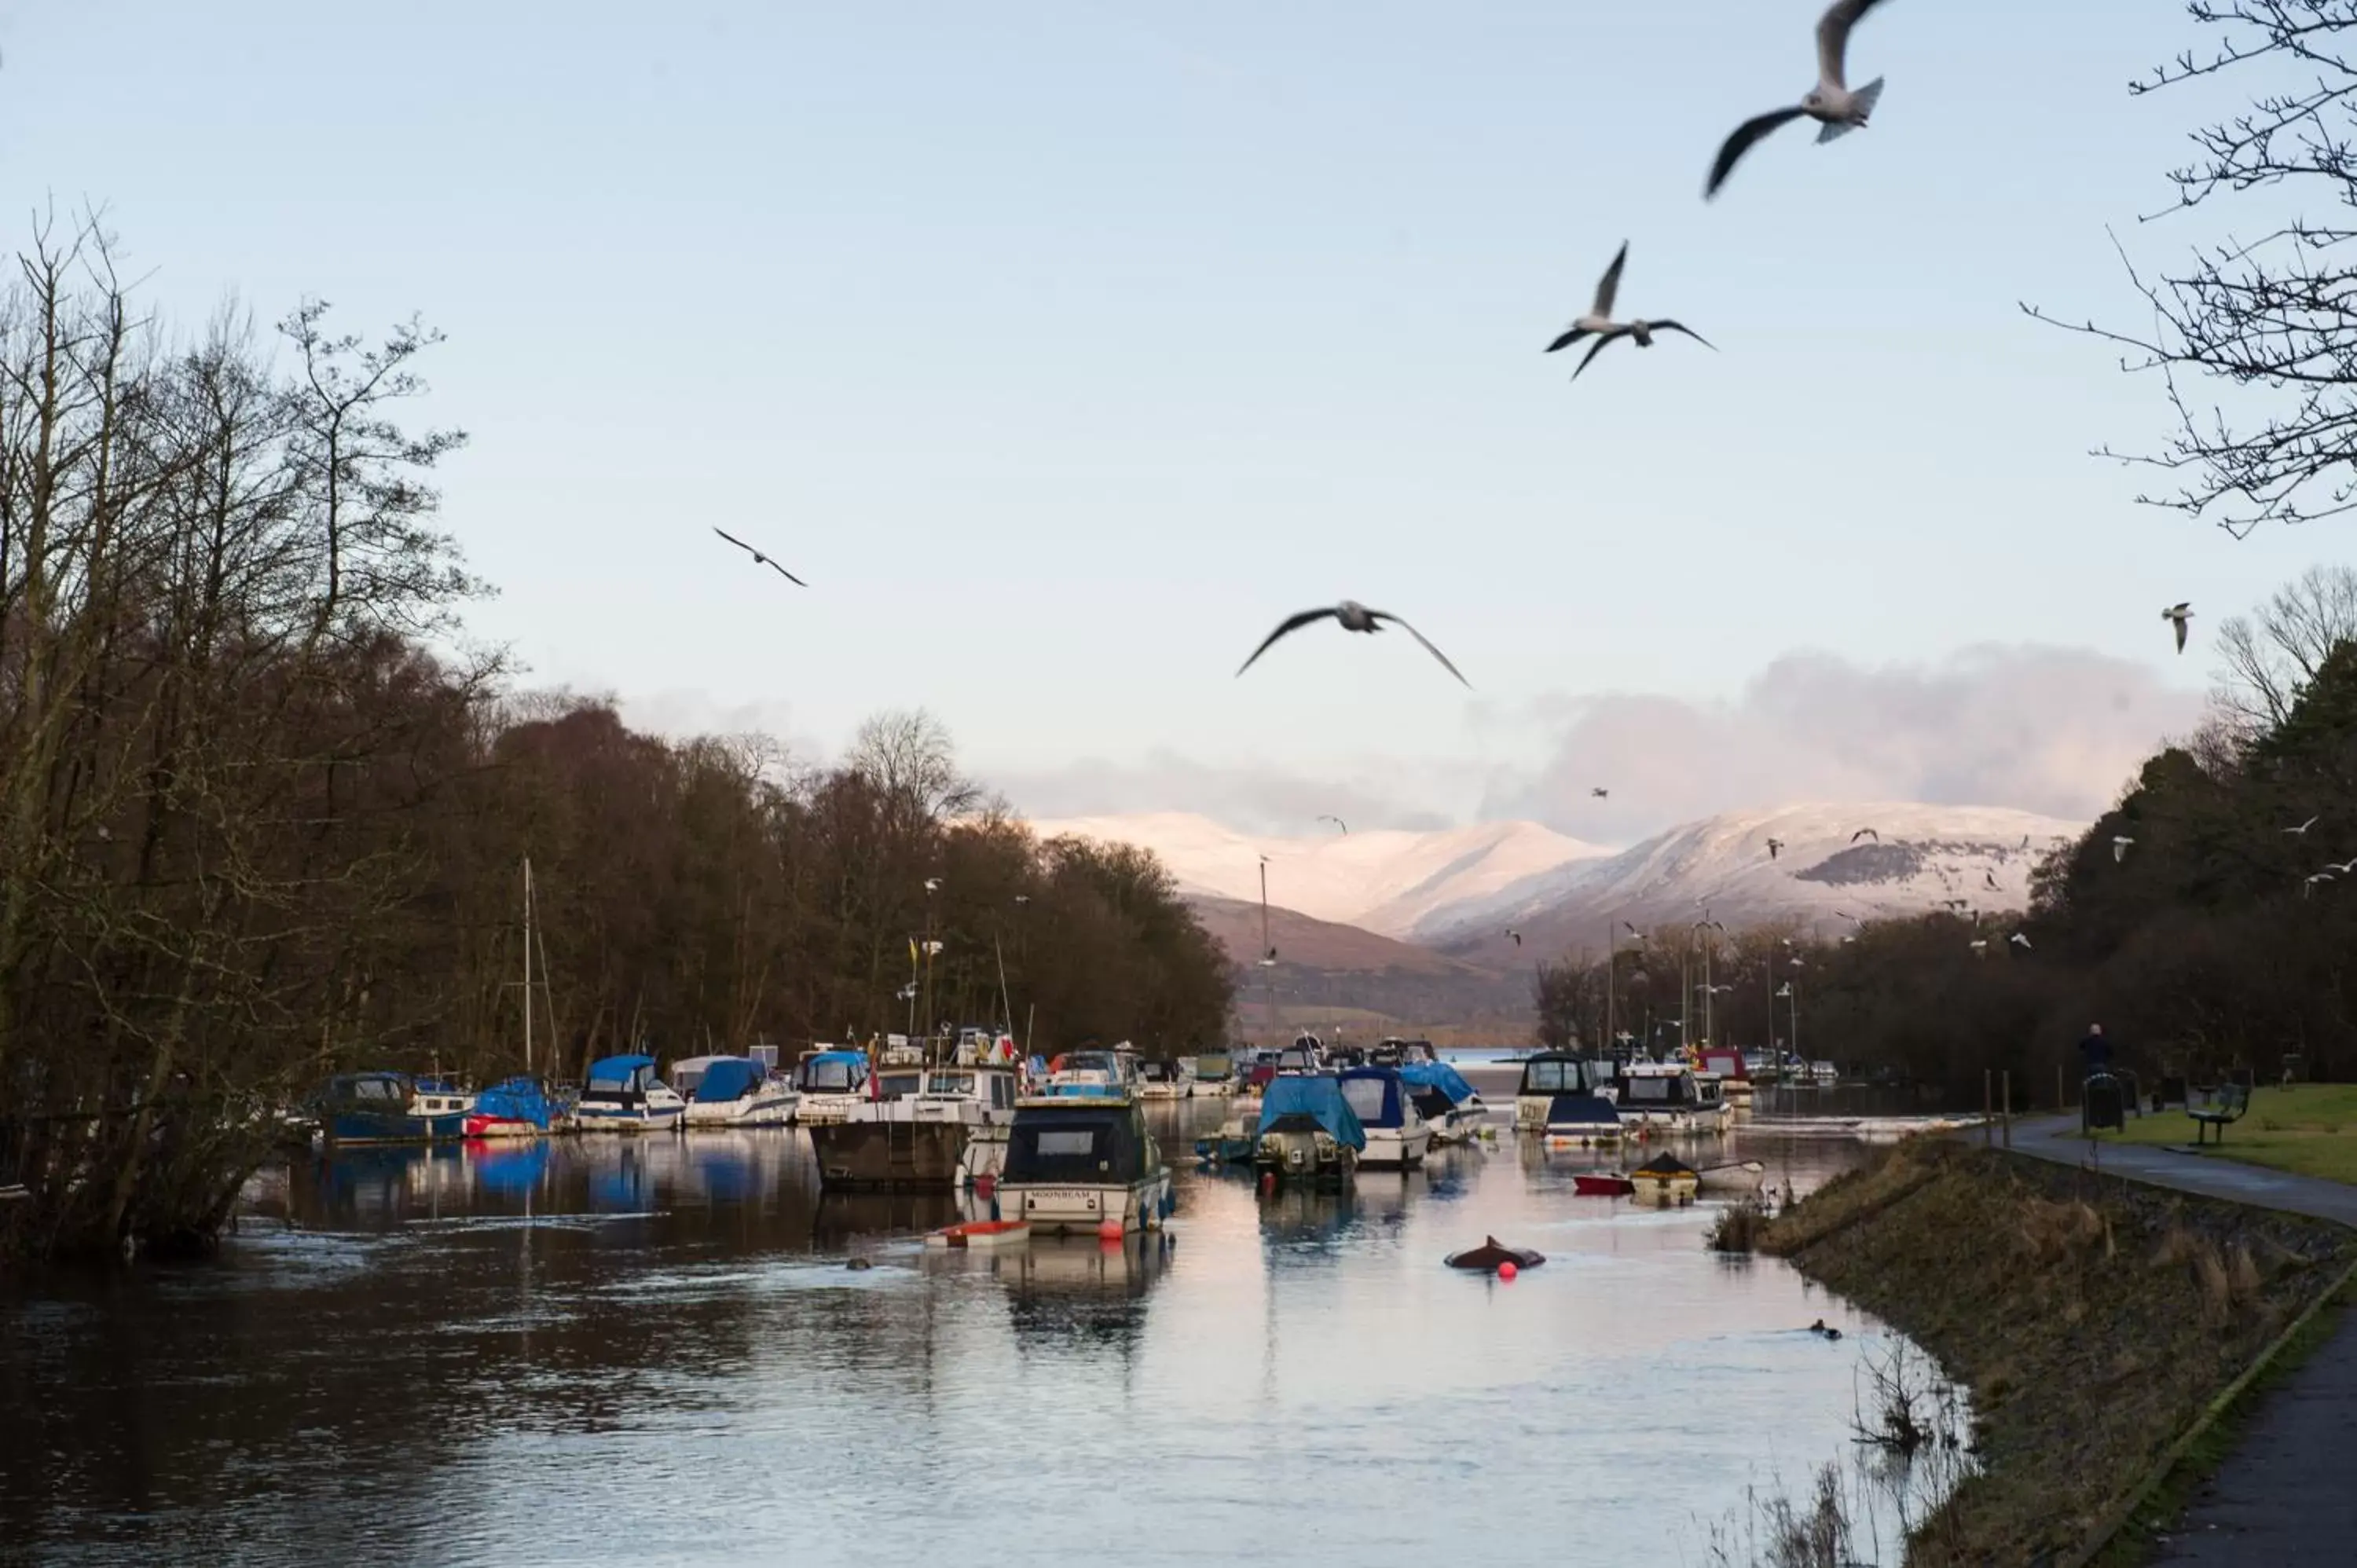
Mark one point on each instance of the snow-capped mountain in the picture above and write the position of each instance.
(1382, 881)
(1833, 864)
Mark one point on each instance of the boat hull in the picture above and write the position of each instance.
(754, 1111)
(352, 1127)
(480, 1126)
(1303, 1157)
(646, 1119)
(1395, 1148)
(882, 1155)
(1065, 1208)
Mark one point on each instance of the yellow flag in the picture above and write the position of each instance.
(912, 953)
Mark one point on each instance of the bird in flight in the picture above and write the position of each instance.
(1980, 944)
(2303, 827)
(1866, 834)
(1516, 935)
(2346, 868)
(932, 883)
(2024, 841)
(2312, 881)
(1775, 848)
(1830, 102)
(759, 559)
(2120, 842)
(1600, 792)
(1353, 617)
(1599, 323)
(2177, 614)
(1634, 931)
(1991, 876)
(1337, 822)
(2018, 939)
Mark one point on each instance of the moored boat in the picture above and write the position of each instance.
(980, 1235)
(1602, 1183)
(1550, 1076)
(624, 1095)
(1580, 1121)
(1736, 1175)
(1307, 1130)
(519, 1107)
(1161, 1080)
(737, 1091)
(832, 1084)
(386, 1108)
(918, 1137)
(1666, 1097)
(1665, 1178)
(1453, 1107)
(1083, 1163)
(1725, 1066)
(1397, 1134)
(1214, 1073)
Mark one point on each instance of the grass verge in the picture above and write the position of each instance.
(2309, 1129)
(2093, 1320)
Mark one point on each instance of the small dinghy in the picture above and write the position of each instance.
(1665, 1178)
(1740, 1175)
(1486, 1257)
(976, 1235)
(1602, 1183)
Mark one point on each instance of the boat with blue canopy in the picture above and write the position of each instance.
(1085, 1163)
(1455, 1108)
(832, 1084)
(738, 1092)
(624, 1095)
(1397, 1134)
(519, 1107)
(388, 1108)
(1550, 1076)
(1307, 1130)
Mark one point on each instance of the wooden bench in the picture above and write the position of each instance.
(2216, 1107)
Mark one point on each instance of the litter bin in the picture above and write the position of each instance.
(2131, 1091)
(2102, 1104)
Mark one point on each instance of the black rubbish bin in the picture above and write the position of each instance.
(2102, 1104)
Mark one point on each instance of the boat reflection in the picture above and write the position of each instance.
(1065, 1286)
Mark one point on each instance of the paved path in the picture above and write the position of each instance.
(2288, 1492)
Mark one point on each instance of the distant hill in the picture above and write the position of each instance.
(1836, 864)
(1384, 881)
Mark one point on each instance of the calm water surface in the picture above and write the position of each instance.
(652, 1350)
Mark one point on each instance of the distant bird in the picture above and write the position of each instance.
(1980, 944)
(1846, 940)
(1866, 834)
(1516, 935)
(1337, 822)
(1022, 897)
(1959, 905)
(759, 559)
(2346, 868)
(1600, 792)
(1847, 916)
(2018, 939)
(932, 883)
(2312, 881)
(2177, 614)
(2120, 842)
(1830, 101)
(2024, 841)
(2303, 827)
(1354, 616)
(1991, 876)
(1599, 323)
(1775, 848)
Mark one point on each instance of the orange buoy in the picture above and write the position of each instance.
(1109, 1230)
(1507, 1271)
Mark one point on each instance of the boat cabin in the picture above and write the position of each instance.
(1397, 1132)
(832, 1083)
(1548, 1076)
(1669, 1094)
(1074, 1162)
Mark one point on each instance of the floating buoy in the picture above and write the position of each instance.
(1506, 1271)
(1109, 1230)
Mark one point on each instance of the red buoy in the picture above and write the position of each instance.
(1109, 1230)
(1506, 1271)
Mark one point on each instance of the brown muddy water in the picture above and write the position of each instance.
(652, 1350)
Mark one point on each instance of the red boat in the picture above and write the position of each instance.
(1602, 1183)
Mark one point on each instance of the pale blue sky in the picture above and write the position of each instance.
(1066, 345)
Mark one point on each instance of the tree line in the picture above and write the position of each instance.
(2208, 921)
(259, 824)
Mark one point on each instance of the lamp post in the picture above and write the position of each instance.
(1791, 990)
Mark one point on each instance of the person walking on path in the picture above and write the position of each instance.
(2096, 1051)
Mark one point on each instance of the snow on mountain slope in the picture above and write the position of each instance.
(1382, 881)
(1829, 871)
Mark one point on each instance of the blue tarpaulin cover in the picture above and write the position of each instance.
(616, 1072)
(1439, 1076)
(730, 1078)
(522, 1098)
(1319, 1098)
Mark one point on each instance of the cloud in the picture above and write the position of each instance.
(2052, 730)
(1366, 793)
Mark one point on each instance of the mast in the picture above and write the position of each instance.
(527, 963)
(1268, 964)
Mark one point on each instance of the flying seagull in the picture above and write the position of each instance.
(759, 559)
(2024, 841)
(1775, 848)
(1830, 102)
(2346, 868)
(1516, 935)
(2303, 827)
(2177, 614)
(1866, 834)
(1634, 931)
(1980, 944)
(2312, 881)
(932, 883)
(1600, 792)
(1337, 822)
(2018, 939)
(1354, 616)
(2120, 842)
(1991, 877)
(1599, 323)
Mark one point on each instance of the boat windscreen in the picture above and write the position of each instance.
(1072, 1146)
(1370, 1101)
(1551, 1075)
(828, 1075)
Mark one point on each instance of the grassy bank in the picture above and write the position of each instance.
(2092, 1320)
(2309, 1129)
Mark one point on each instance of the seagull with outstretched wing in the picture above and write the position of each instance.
(759, 559)
(2303, 827)
(1837, 110)
(1337, 822)
(1599, 323)
(1352, 617)
(1866, 834)
(2177, 614)
(2120, 842)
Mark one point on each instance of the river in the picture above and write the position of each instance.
(652, 1351)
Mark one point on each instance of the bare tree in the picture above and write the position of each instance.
(2274, 317)
(2269, 656)
(907, 754)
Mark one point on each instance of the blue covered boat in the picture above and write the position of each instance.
(1307, 1130)
(388, 1108)
(1454, 1107)
(624, 1095)
(1397, 1134)
(738, 1092)
(516, 1107)
(832, 1083)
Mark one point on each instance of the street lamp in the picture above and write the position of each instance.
(1791, 988)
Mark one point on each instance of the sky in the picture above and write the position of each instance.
(1066, 347)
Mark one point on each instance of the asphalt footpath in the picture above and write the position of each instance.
(2288, 1494)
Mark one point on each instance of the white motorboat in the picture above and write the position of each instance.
(942, 1126)
(1551, 1077)
(1397, 1134)
(1735, 1176)
(737, 1091)
(1166, 1079)
(1450, 1106)
(832, 1084)
(1083, 1163)
(1666, 1097)
(624, 1095)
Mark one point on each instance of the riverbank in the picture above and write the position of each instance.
(2308, 1129)
(2093, 1319)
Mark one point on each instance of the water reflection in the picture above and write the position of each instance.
(449, 1356)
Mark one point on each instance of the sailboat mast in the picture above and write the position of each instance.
(527, 963)
(1267, 967)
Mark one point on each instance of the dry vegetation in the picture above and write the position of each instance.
(2092, 1320)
